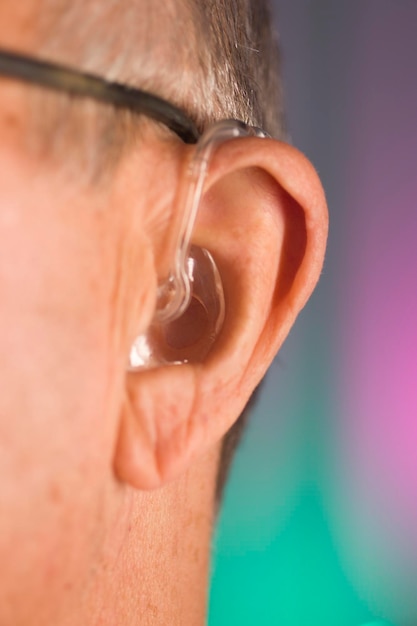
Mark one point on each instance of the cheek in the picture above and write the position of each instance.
(61, 375)
(54, 322)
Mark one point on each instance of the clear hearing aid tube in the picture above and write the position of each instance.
(190, 303)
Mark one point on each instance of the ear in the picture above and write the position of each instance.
(264, 219)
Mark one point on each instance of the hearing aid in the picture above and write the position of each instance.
(190, 306)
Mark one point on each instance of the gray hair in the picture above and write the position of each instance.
(215, 58)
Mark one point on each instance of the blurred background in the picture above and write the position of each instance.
(319, 524)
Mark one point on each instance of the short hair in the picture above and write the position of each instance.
(231, 68)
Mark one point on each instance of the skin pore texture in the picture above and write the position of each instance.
(108, 477)
(73, 543)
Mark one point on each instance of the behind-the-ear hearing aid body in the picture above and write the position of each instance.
(190, 305)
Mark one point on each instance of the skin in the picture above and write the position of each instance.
(66, 341)
(107, 476)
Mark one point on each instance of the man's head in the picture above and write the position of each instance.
(109, 476)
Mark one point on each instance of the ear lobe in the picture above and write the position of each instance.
(156, 433)
(264, 220)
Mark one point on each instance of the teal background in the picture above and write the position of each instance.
(306, 536)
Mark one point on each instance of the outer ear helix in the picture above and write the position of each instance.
(190, 306)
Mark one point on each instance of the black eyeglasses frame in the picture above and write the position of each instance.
(72, 81)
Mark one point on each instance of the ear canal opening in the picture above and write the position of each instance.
(189, 337)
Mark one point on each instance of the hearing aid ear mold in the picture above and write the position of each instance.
(189, 337)
(190, 307)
